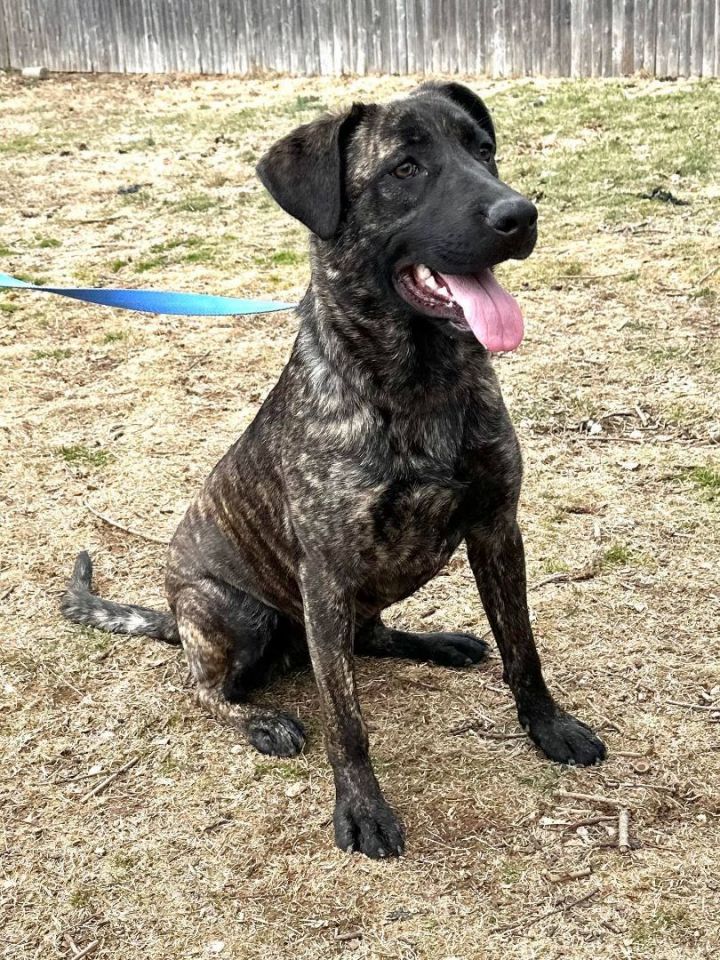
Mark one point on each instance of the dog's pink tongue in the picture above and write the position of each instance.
(491, 312)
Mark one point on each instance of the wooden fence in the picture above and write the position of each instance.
(495, 37)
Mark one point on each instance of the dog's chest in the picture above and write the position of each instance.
(387, 499)
(410, 501)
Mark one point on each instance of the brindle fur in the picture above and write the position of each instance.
(384, 444)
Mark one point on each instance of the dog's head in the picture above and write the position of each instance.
(411, 190)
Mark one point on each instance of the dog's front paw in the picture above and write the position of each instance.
(563, 738)
(369, 826)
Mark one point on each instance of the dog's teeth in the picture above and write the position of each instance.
(423, 272)
(431, 282)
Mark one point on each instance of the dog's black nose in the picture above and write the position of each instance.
(512, 217)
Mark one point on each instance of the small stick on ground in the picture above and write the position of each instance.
(624, 830)
(119, 526)
(586, 822)
(569, 875)
(694, 706)
(548, 913)
(78, 954)
(99, 787)
(706, 276)
(571, 576)
(350, 935)
(491, 735)
(474, 726)
(71, 943)
(591, 798)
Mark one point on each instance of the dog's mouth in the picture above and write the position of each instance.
(474, 301)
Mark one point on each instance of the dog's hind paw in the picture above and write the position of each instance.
(563, 738)
(277, 734)
(451, 649)
(368, 826)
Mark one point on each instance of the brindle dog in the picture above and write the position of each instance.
(384, 444)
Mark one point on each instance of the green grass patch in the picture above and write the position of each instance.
(28, 278)
(16, 146)
(304, 104)
(286, 258)
(79, 455)
(81, 896)
(8, 308)
(289, 772)
(195, 203)
(659, 925)
(201, 255)
(573, 268)
(617, 556)
(61, 353)
(706, 479)
(47, 243)
(150, 263)
(114, 336)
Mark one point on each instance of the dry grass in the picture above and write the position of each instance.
(204, 848)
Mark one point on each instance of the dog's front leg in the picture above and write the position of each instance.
(363, 820)
(497, 559)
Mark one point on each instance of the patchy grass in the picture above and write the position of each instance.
(707, 480)
(58, 353)
(79, 455)
(203, 842)
(115, 336)
(195, 203)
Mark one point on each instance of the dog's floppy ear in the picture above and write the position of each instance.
(304, 172)
(465, 98)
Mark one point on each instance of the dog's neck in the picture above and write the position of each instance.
(376, 344)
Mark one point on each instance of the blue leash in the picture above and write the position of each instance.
(157, 301)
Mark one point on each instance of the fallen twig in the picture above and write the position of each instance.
(548, 913)
(499, 736)
(85, 952)
(648, 785)
(119, 216)
(590, 798)
(694, 706)
(706, 276)
(586, 822)
(114, 523)
(99, 787)
(624, 830)
(569, 875)
(474, 726)
(587, 572)
(349, 935)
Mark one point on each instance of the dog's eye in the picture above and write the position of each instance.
(405, 170)
(485, 153)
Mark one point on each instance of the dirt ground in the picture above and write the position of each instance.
(202, 847)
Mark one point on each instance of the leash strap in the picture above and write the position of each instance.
(156, 301)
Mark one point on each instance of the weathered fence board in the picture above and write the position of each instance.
(496, 37)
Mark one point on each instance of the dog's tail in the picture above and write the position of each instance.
(81, 605)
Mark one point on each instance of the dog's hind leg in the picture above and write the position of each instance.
(234, 643)
(374, 639)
